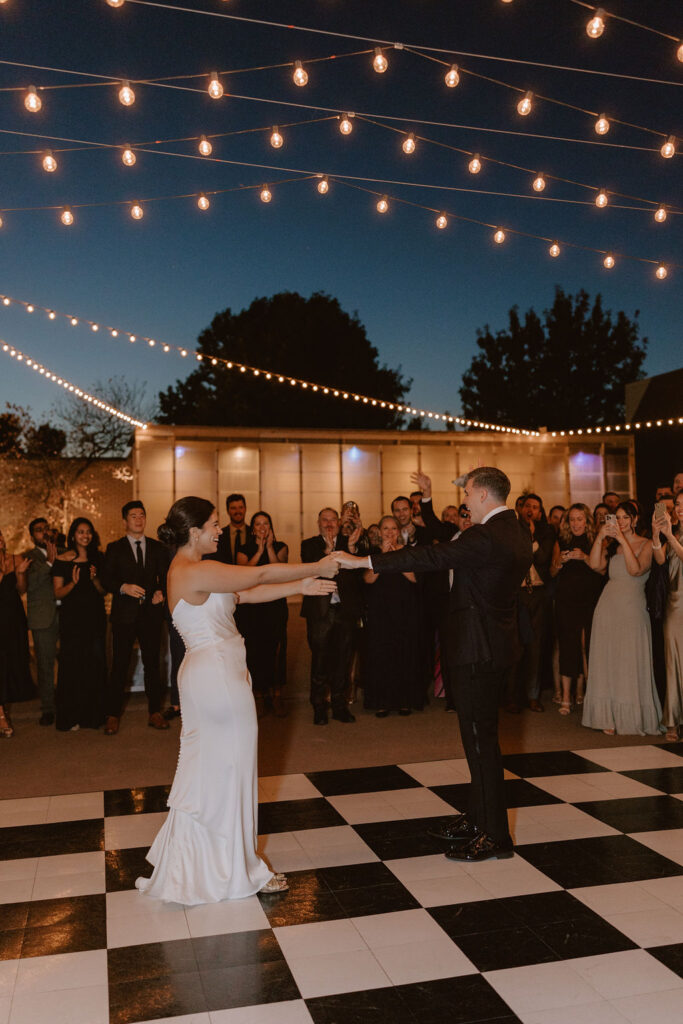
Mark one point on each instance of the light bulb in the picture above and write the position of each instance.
(679, 52)
(379, 61)
(669, 148)
(323, 186)
(474, 166)
(204, 147)
(660, 215)
(203, 203)
(452, 76)
(499, 236)
(30, 308)
(382, 205)
(601, 199)
(136, 211)
(51, 315)
(409, 144)
(525, 104)
(128, 157)
(116, 3)
(73, 321)
(1, 223)
(49, 162)
(300, 76)
(554, 250)
(442, 221)
(126, 95)
(215, 87)
(602, 125)
(538, 183)
(346, 125)
(67, 217)
(266, 194)
(608, 261)
(276, 139)
(596, 26)
(661, 272)
(32, 100)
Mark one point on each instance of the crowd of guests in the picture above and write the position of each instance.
(600, 615)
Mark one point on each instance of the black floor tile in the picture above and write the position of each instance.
(52, 840)
(356, 876)
(555, 762)
(10, 944)
(466, 1000)
(376, 899)
(151, 960)
(213, 952)
(545, 908)
(135, 801)
(505, 947)
(603, 860)
(377, 1006)
(14, 916)
(308, 899)
(249, 985)
(70, 925)
(668, 780)
(171, 995)
(583, 937)
(477, 917)
(293, 815)
(518, 793)
(362, 780)
(637, 814)
(391, 840)
(670, 956)
(124, 866)
(673, 748)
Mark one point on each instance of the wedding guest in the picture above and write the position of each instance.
(391, 637)
(519, 503)
(374, 536)
(669, 552)
(42, 615)
(416, 504)
(599, 513)
(82, 669)
(612, 500)
(264, 625)
(134, 571)
(16, 683)
(678, 483)
(555, 517)
(234, 535)
(450, 514)
(576, 594)
(621, 696)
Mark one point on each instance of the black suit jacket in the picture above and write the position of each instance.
(349, 582)
(120, 566)
(223, 552)
(490, 563)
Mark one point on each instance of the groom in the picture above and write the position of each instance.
(490, 561)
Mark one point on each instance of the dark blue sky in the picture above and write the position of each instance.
(421, 293)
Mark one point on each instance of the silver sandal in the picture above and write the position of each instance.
(278, 883)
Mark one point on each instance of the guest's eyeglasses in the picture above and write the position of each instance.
(465, 515)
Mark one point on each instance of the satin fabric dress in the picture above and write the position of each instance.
(673, 641)
(206, 849)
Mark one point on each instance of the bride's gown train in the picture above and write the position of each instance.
(206, 848)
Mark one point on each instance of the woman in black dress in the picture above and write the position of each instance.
(576, 594)
(264, 626)
(392, 660)
(15, 676)
(82, 672)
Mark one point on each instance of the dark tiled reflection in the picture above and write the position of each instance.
(377, 1006)
(214, 952)
(170, 995)
(249, 985)
(555, 762)
(670, 956)
(135, 801)
(151, 960)
(52, 839)
(466, 1000)
(294, 815)
(70, 925)
(124, 866)
(518, 793)
(362, 780)
(637, 814)
(604, 860)
(309, 899)
(391, 840)
(505, 947)
(668, 780)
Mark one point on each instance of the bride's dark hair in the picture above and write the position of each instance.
(183, 515)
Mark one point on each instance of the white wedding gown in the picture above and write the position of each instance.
(206, 849)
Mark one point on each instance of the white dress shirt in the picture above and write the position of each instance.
(133, 542)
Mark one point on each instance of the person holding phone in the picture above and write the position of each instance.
(669, 552)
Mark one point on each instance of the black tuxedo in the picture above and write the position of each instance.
(224, 552)
(331, 628)
(490, 562)
(133, 619)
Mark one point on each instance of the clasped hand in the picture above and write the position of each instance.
(346, 561)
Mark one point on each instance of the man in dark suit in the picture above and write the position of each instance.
(489, 562)
(42, 613)
(234, 536)
(332, 621)
(135, 569)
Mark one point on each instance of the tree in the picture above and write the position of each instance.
(12, 423)
(92, 433)
(312, 339)
(566, 370)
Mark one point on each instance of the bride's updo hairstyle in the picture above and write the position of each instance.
(184, 514)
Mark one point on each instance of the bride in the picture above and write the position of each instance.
(206, 849)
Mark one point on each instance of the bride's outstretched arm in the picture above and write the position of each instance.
(272, 591)
(217, 578)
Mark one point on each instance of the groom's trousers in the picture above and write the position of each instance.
(477, 692)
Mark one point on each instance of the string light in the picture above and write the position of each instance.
(126, 95)
(346, 124)
(669, 148)
(276, 139)
(409, 144)
(661, 272)
(452, 77)
(608, 261)
(474, 166)
(679, 52)
(538, 183)
(215, 87)
(116, 3)
(382, 205)
(660, 214)
(266, 194)
(300, 76)
(525, 104)
(441, 221)
(205, 148)
(49, 162)
(66, 217)
(499, 236)
(1, 222)
(136, 211)
(601, 200)
(602, 125)
(32, 100)
(380, 62)
(203, 203)
(128, 157)
(323, 185)
(554, 250)
(596, 26)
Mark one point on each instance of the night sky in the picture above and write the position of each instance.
(420, 292)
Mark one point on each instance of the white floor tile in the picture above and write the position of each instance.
(592, 786)
(277, 842)
(187, 1018)
(618, 898)
(514, 877)
(359, 808)
(22, 867)
(400, 928)
(330, 974)
(668, 842)
(434, 865)
(8, 976)
(129, 830)
(435, 958)
(70, 1006)
(653, 1008)
(631, 972)
(355, 852)
(319, 838)
(593, 1013)
(290, 860)
(650, 928)
(541, 987)
(293, 1011)
(439, 773)
(438, 892)
(50, 887)
(319, 938)
(631, 759)
(16, 891)
(130, 903)
(135, 931)
(668, 890)
(75, 807)
(70, 864)
(30, 811)
(286, 787)
(5, 1005)
(558, 822)
(66, 970)
(229, 916)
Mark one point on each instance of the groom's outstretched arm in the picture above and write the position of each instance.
(471, 549)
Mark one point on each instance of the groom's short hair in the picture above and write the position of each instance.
(491, 479)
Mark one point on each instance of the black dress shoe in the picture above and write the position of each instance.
(319, 716)
(455, 830)
(170, 713)
(47, 718)
(482, 847)
(343, 714)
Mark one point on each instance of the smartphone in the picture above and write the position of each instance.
(350, 507)
(660, 509)
(610, 519)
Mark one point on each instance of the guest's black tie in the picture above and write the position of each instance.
(139, 559)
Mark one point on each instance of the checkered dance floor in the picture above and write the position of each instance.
(583, 926)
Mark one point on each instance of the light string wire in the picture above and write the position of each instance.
(393, 43)
(626, 21)
(73, 389)
(142, 147)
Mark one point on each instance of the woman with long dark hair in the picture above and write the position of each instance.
(15, 676)
(82, 665)
(206, 848)
(621, 696)
(669, 552)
